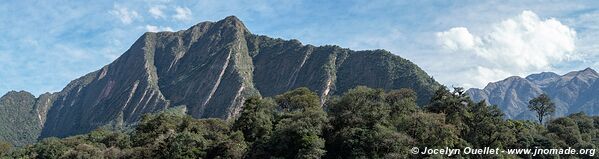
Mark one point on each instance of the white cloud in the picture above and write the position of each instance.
(515, 46)
(587, 25)
(152, 28)
(124, 14)
(458, 38)
(182, 14)
(156, 11)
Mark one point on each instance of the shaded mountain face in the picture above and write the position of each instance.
(210, 69)
(572, 93)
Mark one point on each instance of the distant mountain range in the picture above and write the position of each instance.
(574, 92)
(209, 70)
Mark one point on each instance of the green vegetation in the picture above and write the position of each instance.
(362, 123)
(5, 148)
(542, 106)
(19, 121)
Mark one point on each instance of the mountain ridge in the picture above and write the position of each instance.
(210, 69)
(572, 92)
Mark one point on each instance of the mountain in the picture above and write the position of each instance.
(572, 93)
(22, 116)
(210, 69)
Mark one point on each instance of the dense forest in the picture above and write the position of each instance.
(362, 123)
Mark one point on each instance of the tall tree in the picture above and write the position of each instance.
(298, 129)
(454, 104)
(487, 127)
(256, 124)
(360, 126)
(542, 105)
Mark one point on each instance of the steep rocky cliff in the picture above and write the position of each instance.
(210, 69)
(572, 93)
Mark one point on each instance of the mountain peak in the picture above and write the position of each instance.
(18, 93)
(513, 78)
(232, 18)
(508, 81)
(543, 78)
(232, 22)
(588, 72)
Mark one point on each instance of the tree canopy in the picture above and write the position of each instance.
(542, 106)
(361, 123)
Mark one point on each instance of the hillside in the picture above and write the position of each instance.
(22, 117)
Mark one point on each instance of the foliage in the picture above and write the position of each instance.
(361, 126)
(362, 123)
(542, 106)
(5, 148)
(256, 125)
(299, 125)
(454, 105)
(19, 121)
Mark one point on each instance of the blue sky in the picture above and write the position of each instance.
(45, 44)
